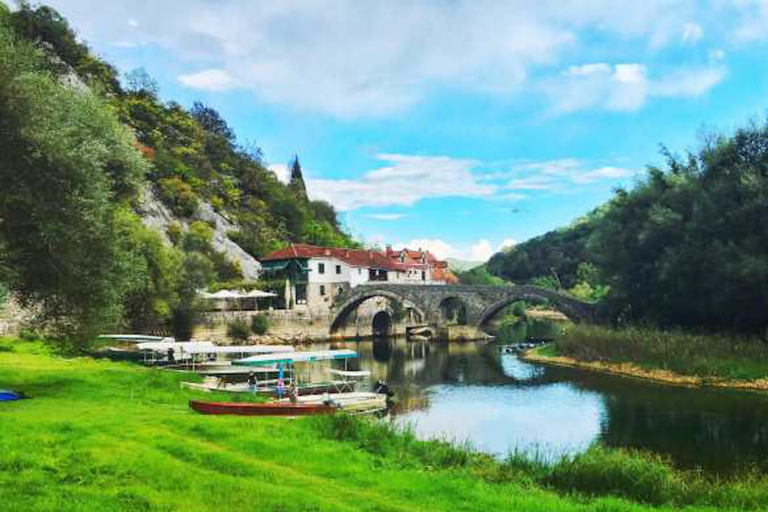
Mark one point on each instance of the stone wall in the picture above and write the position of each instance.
(13, 318)
(299, 325)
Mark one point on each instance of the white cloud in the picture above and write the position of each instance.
(281, 172)
(481, 251)
(560, 175)
(354, 58)
(387, 216)
(216, 80)
(600, 174)
(752, 20)
(405, 181)
(690, 82)
(626, 87)
(692, 33)
(508, 243)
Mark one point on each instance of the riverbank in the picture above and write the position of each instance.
(101, 435)
(673, 358)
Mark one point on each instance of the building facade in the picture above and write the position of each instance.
(314, 276)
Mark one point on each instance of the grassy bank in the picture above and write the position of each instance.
(674, 356)
(108, 436)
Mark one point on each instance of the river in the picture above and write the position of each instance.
(477, 392)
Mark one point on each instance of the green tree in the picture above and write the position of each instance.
(65, 159)
(297, 185)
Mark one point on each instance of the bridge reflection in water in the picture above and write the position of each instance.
(476, 392)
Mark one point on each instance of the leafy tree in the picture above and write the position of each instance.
(65, 159)
(141, 83)
(211, 121)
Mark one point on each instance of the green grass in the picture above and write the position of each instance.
(106, 436)
(701, 355)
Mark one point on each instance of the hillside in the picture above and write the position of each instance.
(88, 156)
(559, 259)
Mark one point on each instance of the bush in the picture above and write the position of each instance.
(259, 324)
(600, 471)
(239, 330)
(179, 196)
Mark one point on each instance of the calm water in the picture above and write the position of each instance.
(478, 393)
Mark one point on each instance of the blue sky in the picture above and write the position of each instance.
(454, 125)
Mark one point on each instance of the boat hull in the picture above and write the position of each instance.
(259, 409)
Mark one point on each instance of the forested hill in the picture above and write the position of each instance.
(686, 246)
(78, 145)
(553, 259)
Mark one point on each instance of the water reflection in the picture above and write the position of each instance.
(476, 392)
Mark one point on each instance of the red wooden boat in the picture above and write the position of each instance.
(260, 409)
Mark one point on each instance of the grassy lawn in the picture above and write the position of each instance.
(106, 436)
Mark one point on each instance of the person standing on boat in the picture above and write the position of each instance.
(252, 381)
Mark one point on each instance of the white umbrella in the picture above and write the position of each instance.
(259, 294)
(223, 294)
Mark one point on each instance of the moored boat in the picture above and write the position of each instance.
(260, 409)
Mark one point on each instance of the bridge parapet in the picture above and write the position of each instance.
(481, 303)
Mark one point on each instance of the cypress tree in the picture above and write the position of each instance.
(297, 185)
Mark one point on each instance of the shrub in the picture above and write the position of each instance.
(179, 196)
(239, 330)
(175, 232)
(259, 324)
(600, 471)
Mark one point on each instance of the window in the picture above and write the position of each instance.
(423, 276)
(322, 290)
(321, 268)
(339, 290)
(301, 294)
(359, 271)
(338, 269)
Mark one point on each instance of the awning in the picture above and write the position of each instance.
(350, 373)
(134, 338)
(278, 265)
(296, 357)
(240, 349)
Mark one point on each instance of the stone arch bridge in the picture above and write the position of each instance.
(442, 307)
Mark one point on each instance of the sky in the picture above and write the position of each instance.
(459, 126)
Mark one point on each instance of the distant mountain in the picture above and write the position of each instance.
(462, 265)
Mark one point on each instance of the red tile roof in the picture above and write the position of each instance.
(352, 257)
(387, 260)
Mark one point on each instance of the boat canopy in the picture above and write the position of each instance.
(136, 338)
(349, 373)
(185, 346)
(296, 357)
(239, 349)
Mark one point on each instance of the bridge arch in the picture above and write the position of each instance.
(453, 310)
(345, 309)
(575, 310)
